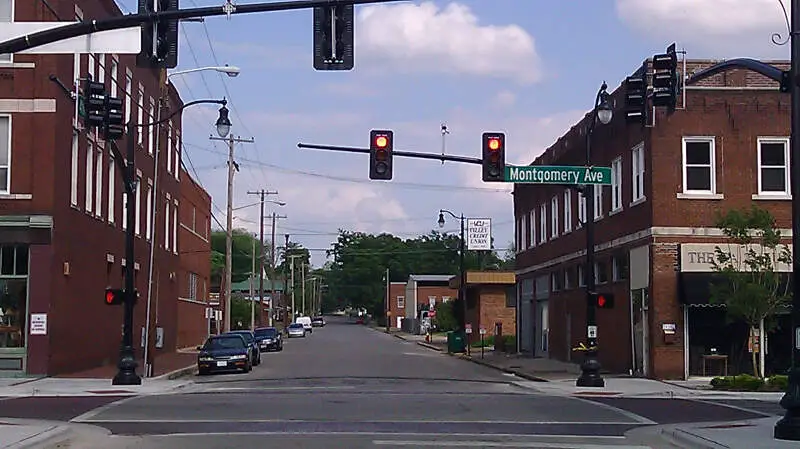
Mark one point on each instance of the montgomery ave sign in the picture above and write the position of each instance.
(558, 174)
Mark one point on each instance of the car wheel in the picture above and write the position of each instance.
(202, 372)
(249, 366)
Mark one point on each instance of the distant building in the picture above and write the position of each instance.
(725, 148)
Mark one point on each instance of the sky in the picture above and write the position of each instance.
(529, 68)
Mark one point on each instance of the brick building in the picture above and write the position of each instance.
(725, 148)
(61, 197)
(412, 299)
(194, 240)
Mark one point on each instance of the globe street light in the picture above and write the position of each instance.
(223, 122)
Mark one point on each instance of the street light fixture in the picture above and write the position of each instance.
(590, 368)
(223, 122)
(462, 287)
(231, 71)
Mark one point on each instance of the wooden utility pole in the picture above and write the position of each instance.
(262, 193)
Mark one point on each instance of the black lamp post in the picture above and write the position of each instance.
(127, 359)
(788, 428)
(590, 368)
(462, 285)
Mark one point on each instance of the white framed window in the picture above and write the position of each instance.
(581, 276)
(6, 15)
(128, 94)
(175, 228)
(5, 155)
(401, 302)
(518, 235)
(581, 209)
(169, 147)
(532, 230)
(140, 106)
(151, 130)
(177, 155)
(112, 179)
(598, 201)
(567, 211)
(773, 166)
(616, 184)
(637, 177)
(114, 90)
(554, 217)
(89, 176)
(99, 168)
(124, 218)
(542, 223)
(149, 204)
(73, 193)
(525, 243)
(166, 223)
(91, 67)
(138, 224)
(193, 286)
(101, 68)
(699, 174)
(445, 299)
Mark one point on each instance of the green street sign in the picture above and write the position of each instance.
(558, 174)
(81, 109)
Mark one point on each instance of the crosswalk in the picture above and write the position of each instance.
(500, 444)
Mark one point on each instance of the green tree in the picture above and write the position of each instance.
(241, 255)
(751, 288)
(445, 317)
(240, 312)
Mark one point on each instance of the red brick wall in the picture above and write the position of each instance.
(396, 289)
(192, 324)
(423, 292)
(41, 166)
(491, 308)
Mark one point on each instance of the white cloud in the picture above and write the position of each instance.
(504, 99)
(423, 37)
(728, 28)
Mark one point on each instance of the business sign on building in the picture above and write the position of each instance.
(700, 257)
(479, 234)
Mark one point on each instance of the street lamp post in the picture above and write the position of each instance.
(590, 368)
(462, 284)
(127, 361)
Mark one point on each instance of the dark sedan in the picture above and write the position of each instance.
(224, 353)
(248, 336)
(269, 339)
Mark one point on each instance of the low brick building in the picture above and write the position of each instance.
(725, 147)
(397, 304)
(491, 301)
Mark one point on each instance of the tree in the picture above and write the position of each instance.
(751, 288)
(241, 255)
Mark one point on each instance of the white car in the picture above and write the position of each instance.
(306, 322)
(295, 330)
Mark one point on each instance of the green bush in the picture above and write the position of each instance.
(741, 382)
(778, 382)
(445, 320)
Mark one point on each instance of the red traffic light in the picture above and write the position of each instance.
(494, 144)
(381, 142)
(603, 300)
(115, 296)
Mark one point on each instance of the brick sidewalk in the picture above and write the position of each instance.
(163, 364)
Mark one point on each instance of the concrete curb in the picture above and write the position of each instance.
(178, 373)
(688, 440)
(44, 439)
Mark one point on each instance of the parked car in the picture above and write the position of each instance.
(317, 321)
(224, 353)
(255, 353)
(268, 338)
(296, 330)
(306, 322)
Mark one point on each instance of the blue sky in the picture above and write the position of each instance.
(529, 68)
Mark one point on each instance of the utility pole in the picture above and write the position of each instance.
(272, 267)
(303, 286)
(232, 141)
(388, 299)
(263, 193)
(292, 257)
(252, 296)
(285, 281)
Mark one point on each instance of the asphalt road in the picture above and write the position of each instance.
(347, 386)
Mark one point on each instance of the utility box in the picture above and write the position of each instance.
(456, 342)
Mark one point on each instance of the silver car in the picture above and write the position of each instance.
(296, 330)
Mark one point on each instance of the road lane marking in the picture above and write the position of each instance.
(638, 418)
(534, 444)
(94, 412)
(387, 421)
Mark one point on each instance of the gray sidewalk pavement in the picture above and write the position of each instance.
(21, 433)
(749, 434)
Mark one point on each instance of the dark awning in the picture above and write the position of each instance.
(694, 289)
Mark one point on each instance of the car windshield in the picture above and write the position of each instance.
(295, 326)
(224, 343)
(269, 332)
(247, 335)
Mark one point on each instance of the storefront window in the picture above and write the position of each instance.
(13, 295)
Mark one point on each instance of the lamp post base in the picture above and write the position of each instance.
(127, 369)
(590, 373)
(788, 428)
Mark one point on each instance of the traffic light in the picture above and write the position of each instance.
(494, 157)
(603, 300)
(635, 99)
(665, 79)
(94, 103)
(115, 296)
(159, 38)
(381, 144)
(334, 37)
(113, 128)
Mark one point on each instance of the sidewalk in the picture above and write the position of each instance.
(22, 433)
(748, 434)
(176, 363)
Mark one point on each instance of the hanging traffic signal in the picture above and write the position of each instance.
(665, 79)
(635, 99)
(94, 103)
(603, 300)
(494, 157)
(334, 37)
(381, 144)
(159, 38)
(115, 296)
(113, 128)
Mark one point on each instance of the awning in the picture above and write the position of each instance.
(695, 288)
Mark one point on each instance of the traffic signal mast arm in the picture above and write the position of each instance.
(85, 27)
(411, 154)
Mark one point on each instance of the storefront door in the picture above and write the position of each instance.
(13, 309)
